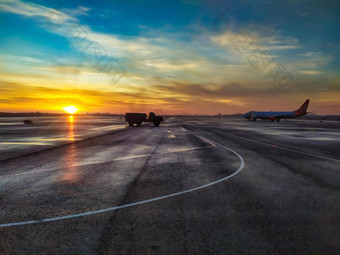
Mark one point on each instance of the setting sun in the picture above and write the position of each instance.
(70, 109)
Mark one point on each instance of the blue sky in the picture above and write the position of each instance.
(177, 57)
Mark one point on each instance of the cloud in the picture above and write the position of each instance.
(79, 11)
(218, 92)
(21, 58)
(155, 52)
(310, 72)
(63, 69)
(152, 52)
(31, 9)
(314, 62)
(172, 97)
(253, 38)
(179, 69)
(309, 54)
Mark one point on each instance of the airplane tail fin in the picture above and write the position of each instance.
(303, 109)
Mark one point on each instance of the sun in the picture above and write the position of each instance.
(70, 109)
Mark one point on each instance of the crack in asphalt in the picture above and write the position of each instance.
(102, 243)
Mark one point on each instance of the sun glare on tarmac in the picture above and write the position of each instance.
(70, 109)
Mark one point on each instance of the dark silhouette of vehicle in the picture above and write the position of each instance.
(28, 122)
(138, 118)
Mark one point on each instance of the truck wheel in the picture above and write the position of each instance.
(139, 124)
(156, 123)
(130, 124)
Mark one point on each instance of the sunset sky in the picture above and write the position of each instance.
(171, 57)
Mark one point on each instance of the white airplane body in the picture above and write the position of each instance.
(253, 115)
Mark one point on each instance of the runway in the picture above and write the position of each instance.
(194, 185)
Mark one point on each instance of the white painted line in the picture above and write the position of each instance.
(139, 202)
(280, 147)
(287, 149)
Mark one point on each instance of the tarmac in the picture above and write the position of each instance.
(194, 185)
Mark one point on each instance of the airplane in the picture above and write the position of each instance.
(253, 115)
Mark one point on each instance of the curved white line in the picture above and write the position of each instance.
(139, 202)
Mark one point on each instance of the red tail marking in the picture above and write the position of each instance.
(303, 109)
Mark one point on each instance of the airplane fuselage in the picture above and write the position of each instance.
(253, 115)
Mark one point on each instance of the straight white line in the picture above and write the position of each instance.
(283, 148)
(139, 202)
(287, 149)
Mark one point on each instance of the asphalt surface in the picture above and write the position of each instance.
(220, 186)
(17, 139)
